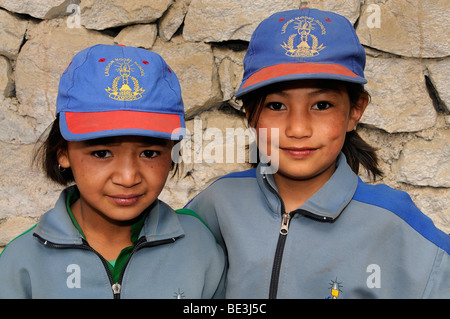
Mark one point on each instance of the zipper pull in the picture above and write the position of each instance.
(116, 288)
(285, 224)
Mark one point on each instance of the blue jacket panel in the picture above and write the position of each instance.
(349, 240)
(176, 256)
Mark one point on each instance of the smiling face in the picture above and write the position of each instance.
(312, 120)
(119, 177)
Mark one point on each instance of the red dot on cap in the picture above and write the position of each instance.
(328, 20)
(102, 60)
(170, 71)
(121, 45)
(282, 19)
(145, 62)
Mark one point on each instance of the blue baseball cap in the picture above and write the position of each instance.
(114, 90)
(302, 44)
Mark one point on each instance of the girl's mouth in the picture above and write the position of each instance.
(298, 153)
(125, 199)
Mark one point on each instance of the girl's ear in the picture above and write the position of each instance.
(63, 159)
(357, 111)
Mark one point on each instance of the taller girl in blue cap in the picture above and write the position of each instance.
(311, 228)
(119, 113)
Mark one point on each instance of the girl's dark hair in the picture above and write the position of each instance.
(45, 155)
(356, 150)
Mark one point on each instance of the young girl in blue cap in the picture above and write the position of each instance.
(119, 113)
(305, 225)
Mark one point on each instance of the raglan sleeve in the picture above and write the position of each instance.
(217, 273)
(212, 255)
(14, 276)
(440, 277)
(203, 205)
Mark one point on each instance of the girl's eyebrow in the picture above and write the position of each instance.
(324, 91)
(317, 91)
(99, 141)
(111, 141)
(281, 93)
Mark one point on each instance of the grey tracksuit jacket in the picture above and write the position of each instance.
(176, 256)
(349, 240)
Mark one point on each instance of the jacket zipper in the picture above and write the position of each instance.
(276, 268)
(284, 230)
(141, 243)
(115, 287)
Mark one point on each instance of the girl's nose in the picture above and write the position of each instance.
(127, 173)
(298, 124)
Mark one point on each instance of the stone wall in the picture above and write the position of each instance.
(204, 41)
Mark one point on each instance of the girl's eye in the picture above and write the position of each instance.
(276, 106)
(149, 153)
(102, 154)
(322, 105)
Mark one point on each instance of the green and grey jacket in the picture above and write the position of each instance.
(174, 256)
(349, 240)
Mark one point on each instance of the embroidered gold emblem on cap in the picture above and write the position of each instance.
(129, 89)
(308, 43)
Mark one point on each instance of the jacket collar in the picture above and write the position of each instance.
(327, 203)
(57, 227)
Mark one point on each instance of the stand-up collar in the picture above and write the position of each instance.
(57, 227)
(327, 203)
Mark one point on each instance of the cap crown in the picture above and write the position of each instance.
(103, 79)
(303, 44)
(113, 77)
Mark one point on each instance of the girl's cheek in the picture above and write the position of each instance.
(267, 139)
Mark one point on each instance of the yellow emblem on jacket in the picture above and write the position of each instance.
(125, 86)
